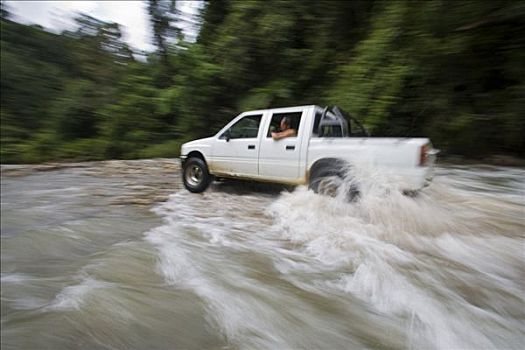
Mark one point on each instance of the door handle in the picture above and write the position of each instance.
(251, 146)
(290, 148)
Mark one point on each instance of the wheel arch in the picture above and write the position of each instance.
(194, 154)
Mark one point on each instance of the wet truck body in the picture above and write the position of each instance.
(326, 141)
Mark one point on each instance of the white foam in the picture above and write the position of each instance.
(412, 260)
(73, 297)
(385, 235)
(14, 278)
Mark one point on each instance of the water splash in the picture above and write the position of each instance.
(449, 278)
(73, 297)
(440, 270)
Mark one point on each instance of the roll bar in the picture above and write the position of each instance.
(335, 116)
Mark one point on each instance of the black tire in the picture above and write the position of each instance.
(327, 175)
(320, 173)
(195, 175)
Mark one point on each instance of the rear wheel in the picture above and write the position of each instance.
(328, 176)
(195, 175)
(325, 181)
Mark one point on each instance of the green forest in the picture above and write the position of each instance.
(450, 70)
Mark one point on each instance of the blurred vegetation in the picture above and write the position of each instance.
(451, 70)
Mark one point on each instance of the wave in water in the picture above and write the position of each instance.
(442, 270)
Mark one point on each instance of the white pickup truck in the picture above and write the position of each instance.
(327, 142)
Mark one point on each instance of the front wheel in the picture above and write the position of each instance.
(195, 175)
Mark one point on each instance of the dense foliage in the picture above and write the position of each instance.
(451, 70)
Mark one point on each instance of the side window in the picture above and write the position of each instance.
(330, 128)
(246, 128)
(275, 123)
(331, 131)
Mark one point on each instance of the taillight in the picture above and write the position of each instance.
(423, 155)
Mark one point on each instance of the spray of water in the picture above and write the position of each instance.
(442, 270)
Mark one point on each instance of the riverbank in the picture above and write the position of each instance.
(141, 182)
(173, 164)
(496, 160)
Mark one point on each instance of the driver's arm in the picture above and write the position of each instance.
(281, 135)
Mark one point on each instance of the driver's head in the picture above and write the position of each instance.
(286, 123)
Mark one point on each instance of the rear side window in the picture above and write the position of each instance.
(325, 130)
(331, 131)
(245, 128)
(275, 123)
(317, 120)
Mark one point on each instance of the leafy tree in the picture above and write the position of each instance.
(451, 70)
(137, 118)
(163, 15)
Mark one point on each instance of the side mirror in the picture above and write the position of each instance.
(227, 135)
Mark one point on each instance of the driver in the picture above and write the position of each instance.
(285, 130)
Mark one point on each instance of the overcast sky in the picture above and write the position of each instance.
(56, 16)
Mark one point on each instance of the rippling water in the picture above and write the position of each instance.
(118, 255)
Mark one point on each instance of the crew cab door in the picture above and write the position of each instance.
(235, 151)
(279, 159)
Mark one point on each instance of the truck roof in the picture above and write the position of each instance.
(279, 108)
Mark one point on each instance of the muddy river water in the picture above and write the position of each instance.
(117, 255)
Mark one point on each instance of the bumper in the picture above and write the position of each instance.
(182, 161)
